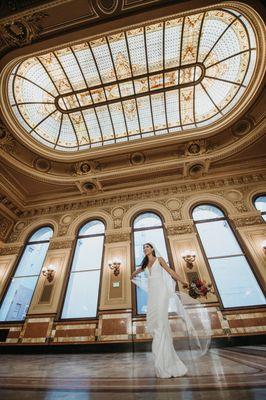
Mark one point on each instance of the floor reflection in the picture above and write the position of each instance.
(224, 373)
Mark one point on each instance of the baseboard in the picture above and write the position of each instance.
(113, 347)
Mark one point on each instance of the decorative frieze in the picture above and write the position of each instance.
(117, 237)
(62, 244)
(20, 32)
(5, 226)
(7, 141)
(246, 221)
(4, 251)
(171, 190)
(180, 229)
(9, 205)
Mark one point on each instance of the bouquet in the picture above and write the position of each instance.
(199, 288)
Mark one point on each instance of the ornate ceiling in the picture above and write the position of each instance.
(175, 99)
(179, 74)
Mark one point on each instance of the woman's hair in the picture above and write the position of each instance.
(145, 260)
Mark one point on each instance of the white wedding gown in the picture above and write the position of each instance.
(167, 362)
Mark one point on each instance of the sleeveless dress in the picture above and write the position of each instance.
(167, 363)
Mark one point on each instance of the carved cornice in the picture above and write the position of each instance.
(9, 205)
(151, 193)
(21, 31)
(5, 226)
(4, 251)
(180, 229)
(246, 221)
(64, 244)
(118, 237)
(7, 141)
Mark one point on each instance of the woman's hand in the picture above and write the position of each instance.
(135, 273)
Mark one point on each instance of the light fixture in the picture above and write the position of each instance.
(189, 257)
(264, 246)
(49, 272)
(115, 266)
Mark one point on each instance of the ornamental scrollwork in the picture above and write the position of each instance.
(180, 229)
(20, 32)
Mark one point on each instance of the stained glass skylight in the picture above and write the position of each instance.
(167, 77)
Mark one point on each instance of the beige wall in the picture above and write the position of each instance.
(175, 209)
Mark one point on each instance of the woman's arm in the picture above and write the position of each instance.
(170, 271)
(138, 271)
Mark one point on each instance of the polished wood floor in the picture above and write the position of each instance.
(223, 374)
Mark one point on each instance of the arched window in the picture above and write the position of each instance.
(231, 271)
(147, 227)
(260, 204)
(83, 286)
(17, 299)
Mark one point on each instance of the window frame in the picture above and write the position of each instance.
(243, 247)
(253, 202)
(16, 265)
(69, 270)
(135, 314)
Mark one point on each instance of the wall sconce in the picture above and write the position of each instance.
(189, 257)
(49, 272)
(264, 246)
(115, 266)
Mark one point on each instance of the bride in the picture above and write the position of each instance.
(161, 292)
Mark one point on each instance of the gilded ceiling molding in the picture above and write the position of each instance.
(21, 31)
(107, 8)
(10, 205)
(7, 141)
(241, 144)
(92, 169)
(163, 191)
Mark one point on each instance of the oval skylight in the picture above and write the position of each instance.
(170, 76)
